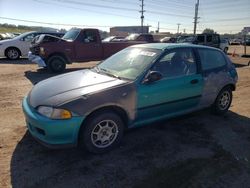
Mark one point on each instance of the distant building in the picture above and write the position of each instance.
(126, 30)
(246, 30)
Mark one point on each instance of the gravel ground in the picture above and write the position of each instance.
(195, 150)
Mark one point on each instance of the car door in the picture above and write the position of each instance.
(25, 43)
(178, 91)
(213, 64)
(88, 47)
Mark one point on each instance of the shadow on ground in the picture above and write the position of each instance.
(181, 152)
(240, 65)
(21, 61)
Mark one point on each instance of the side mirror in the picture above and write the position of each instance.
(152, 76)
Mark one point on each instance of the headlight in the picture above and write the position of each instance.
(42, 51)
(54, 113)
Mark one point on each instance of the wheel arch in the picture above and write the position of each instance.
(58, 54)
(231, 86)
(9, 47)
(111, 108)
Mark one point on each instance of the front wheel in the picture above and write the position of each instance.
(12, 53)
(56, 64)
(223, 101)
(102, 132)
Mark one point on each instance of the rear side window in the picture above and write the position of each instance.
(211, 59)
(201, 38)
(216, 39)
(209, 38)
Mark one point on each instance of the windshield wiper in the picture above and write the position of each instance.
(108, 72)
(96, 69)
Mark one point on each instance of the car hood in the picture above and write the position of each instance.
(45, 38)
(67, 87)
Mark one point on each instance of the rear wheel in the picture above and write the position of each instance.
(102, 132)
(223, 101)
(56, 64)
(12, 53)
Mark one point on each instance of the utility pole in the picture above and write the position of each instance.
(142, 16)
(196, 16)
(158, 28)
(178, 28)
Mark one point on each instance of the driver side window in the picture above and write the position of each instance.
(89, 37)
(178, 62)
(29, 37)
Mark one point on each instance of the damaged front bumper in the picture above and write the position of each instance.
(36, 59)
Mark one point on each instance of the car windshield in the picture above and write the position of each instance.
(132, 36)
(187, 39)
(128, 63)
(23, 35)
(71, 34)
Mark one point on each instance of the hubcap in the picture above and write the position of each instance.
(224, 100)
(104, 133)
(13, 54)
(57, 64)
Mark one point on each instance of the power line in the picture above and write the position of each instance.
(93, 11)
(160, 6)
(50, 23)
(168, 14)
(227, 19)
(95, 5)
(171, 3)
(81, 9)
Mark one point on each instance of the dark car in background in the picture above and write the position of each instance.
(206, 39)
(212, 40)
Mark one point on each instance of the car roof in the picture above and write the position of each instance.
(164, 46)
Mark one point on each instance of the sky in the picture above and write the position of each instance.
(223, 16)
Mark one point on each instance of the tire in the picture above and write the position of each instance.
(223, 101)
(12, 53)
(56, 64)
(102, 132)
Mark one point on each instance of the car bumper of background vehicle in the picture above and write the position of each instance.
(2, 54)
(36, 59)
(52, 133)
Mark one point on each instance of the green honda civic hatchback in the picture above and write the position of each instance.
(136, 86)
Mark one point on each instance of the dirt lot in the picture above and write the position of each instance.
(196, 150)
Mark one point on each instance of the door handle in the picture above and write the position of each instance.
(195, 81)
